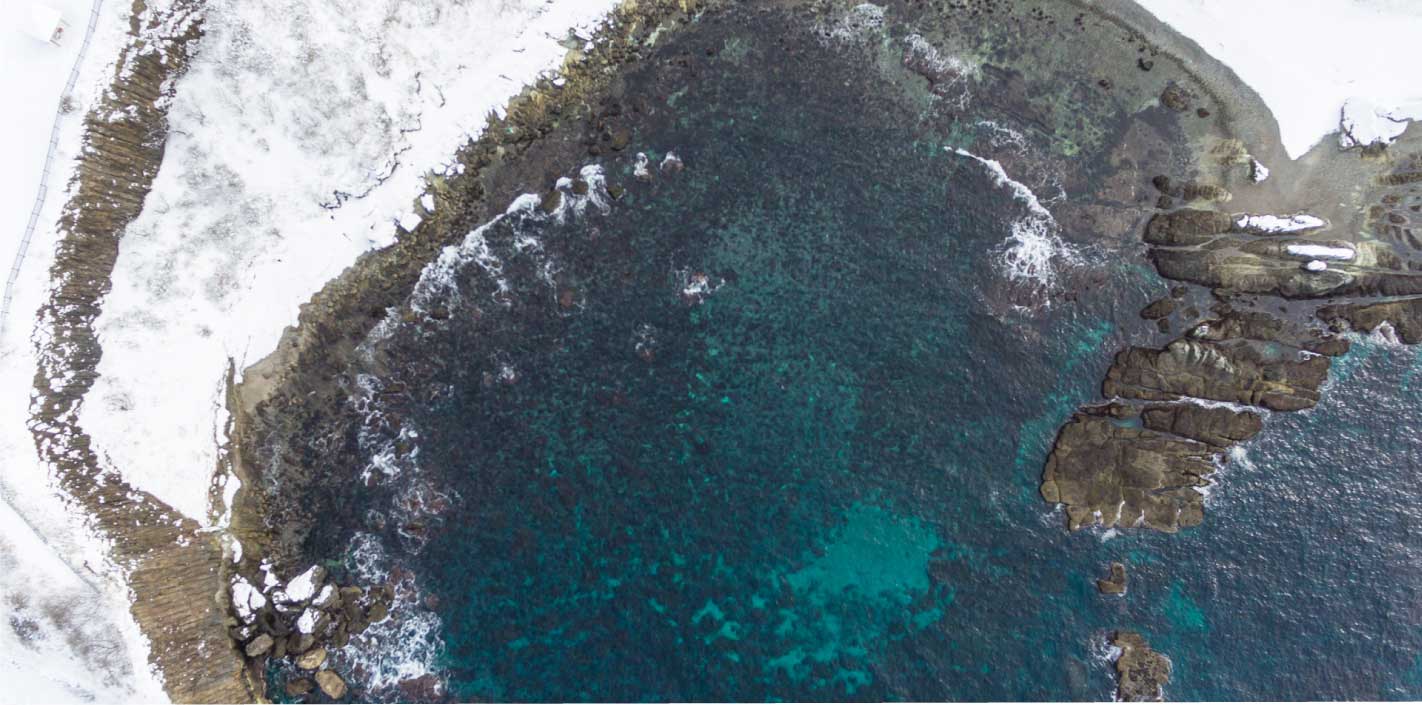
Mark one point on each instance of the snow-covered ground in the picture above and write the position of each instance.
(1307, 58)
(68, 636)
(294, 147)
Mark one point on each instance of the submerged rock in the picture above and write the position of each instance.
(1141, 672)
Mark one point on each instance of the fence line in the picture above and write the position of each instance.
(48, 165)
(7, 493)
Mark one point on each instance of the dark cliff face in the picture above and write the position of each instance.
(173, 569)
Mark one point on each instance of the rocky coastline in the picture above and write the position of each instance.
(1139, 459)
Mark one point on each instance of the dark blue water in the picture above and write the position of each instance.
(771, 428)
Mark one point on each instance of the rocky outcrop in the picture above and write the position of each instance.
(1243, 372)
(302, 622)
(1110, 473)
(1141, 672)
(1218, 426)
(1115, 582)
(1142, 461)
(1404, 317)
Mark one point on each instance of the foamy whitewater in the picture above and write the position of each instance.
(1034, 251)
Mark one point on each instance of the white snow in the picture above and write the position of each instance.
(1307, 58)
(302, 587)
(1257, 171)
(1278, 223)
(246, 600)
(44, 21)
(70, 637)
(1315, 265)
(293, 149)
(307, 621)
(1366, 122)
(1321, 252)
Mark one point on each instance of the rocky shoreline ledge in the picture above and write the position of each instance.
(172, 567)
(1141, 459)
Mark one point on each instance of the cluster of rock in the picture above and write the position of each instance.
(1141, 672)
(1141, 460)
(303, 622)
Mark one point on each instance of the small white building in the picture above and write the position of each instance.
(46, 24)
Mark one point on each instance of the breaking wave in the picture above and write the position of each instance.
(1034, 252)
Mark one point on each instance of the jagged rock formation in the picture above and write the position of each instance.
(172, 568)
(1141, 672)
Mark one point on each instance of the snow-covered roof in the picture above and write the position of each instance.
(43, 21)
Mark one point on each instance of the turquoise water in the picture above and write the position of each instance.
(771, 428)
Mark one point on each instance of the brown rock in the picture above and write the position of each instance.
(378, 612)
(1217, 426)
(331, 684)
(1158, 309)
(1115, 583)
(1241, 372)
(312, 660)
(1175, 98)
(1112, 474)
(1186, 227)
(260, 645)
(1404, 316)
(1141, 673)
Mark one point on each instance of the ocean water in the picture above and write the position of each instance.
(772, 426)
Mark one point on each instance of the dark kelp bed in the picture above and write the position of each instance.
(751, 411)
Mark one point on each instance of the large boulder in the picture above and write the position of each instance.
(331, 684)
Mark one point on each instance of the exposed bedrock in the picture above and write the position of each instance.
(1130, 464)
(1404, 316)
(1141, 672)
(1115, 582)
(1111, 473)
(1239, 372)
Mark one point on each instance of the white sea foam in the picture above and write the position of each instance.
(860, 19)
(405, 645)
(438, 283)
(1034, 251)
(1240, 456)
